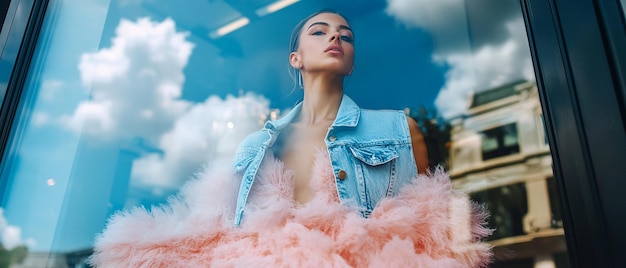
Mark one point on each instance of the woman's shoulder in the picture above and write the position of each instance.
(254, 140)
(248, 148)
(384, 117)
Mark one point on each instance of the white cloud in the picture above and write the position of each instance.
(443, 19)
(424, 13)
(487, 67)
(50, 88)
(208, 133)
(471, 69)
(10, 235)
(135, 84)
(125, 3)
(41, 119)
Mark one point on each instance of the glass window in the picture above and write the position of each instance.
(126, 100)
(508, 205)
(500, 141)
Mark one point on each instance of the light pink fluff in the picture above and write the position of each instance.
(427, 225)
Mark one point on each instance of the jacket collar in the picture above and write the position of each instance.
(347, 116)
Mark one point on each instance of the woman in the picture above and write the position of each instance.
(364, 146)
(327, 185)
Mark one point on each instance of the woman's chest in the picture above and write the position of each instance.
(298, 148)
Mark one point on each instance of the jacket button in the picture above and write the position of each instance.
(341, 174)
(332, 138)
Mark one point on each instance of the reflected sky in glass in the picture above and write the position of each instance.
(128, 98)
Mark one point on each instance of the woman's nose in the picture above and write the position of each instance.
(335, 37)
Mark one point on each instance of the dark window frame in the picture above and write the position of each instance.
(4, 8)
(20, 63)
(555, 206)
(581, 76)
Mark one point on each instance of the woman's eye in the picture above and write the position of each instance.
(346, 38)
(318, 33)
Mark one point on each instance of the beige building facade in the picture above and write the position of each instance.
(500, 155)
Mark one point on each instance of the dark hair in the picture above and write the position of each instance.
(294, 41)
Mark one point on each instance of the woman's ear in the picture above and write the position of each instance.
(294, 60)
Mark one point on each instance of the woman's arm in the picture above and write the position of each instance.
(419, 146)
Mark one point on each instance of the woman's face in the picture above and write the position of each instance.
(326, 45)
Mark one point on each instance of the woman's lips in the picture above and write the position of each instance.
(334, 49)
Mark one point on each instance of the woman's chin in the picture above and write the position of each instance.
(338, 69)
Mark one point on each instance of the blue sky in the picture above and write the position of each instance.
(126, 99)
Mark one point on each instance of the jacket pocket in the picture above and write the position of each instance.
(375, 169)
(375, 156)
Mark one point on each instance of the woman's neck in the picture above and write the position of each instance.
(322, 97)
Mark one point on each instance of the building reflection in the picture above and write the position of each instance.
(74, 259)
(500, 155)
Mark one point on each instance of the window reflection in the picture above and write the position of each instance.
(508, 205)
(500, 141)
(13, 247)
(499, 152)
(127, 99)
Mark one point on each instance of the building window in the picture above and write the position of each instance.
(507, 205)
(500, 141)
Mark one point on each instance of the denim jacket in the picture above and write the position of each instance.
(370, 153)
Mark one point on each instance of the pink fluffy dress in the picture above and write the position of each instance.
(427, 225)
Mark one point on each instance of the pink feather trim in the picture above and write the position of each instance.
(427, 225)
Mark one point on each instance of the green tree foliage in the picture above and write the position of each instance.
(436, 132)
(13, 256)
